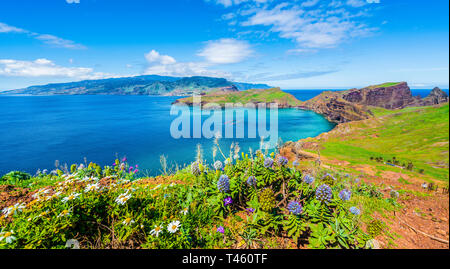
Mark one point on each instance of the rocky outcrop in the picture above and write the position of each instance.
(388, 95)
(436, 97)
(336, 109)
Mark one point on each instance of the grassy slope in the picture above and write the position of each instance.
(249, 96)
(419, 135)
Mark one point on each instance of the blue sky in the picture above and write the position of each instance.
(292, 44)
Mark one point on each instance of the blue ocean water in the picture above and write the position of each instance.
(38, 130)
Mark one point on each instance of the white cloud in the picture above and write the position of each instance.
(226, 51)
(229, 3)
(58, 42)
(165, 65)
(315, 28)
(73, 1)
(46, 68)
(356, 3)
(46, 38)
(5, 28)
(154, 56)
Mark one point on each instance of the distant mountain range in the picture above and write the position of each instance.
(139, 85)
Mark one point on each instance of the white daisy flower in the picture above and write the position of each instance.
(173, 226)
(71, 197)
(184, 211)
(123, 198)
(7, 211)
(128, 221)
(7, 236)
(92, 187)
(158, 229)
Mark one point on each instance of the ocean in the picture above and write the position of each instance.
(37, 131)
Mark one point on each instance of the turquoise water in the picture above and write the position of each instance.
(37, 130)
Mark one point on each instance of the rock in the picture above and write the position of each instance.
(388, 95)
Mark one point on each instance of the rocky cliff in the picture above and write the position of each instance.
(354, 104)
(335, 108)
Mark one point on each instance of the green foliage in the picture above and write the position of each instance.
(375, 227)
(111, 207)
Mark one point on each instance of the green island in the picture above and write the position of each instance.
(384, 167)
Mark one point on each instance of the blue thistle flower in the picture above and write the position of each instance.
(308, 179)
(268, 162)
(218, 165)
(282, 160)
(354, 210)
(251, 181)
(324, 193)
(345, 194)
(295, 207)
(295, 163)
(223, 184)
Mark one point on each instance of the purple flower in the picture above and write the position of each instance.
(136, 170)
(114, 164)
(295, 207)
(295, 163)
(308, 179)
(223, 184)
(345, 194)
(227, 201)
(268, 162)
(324, 193)
(354, 210)
(251, 181)
(282, 160)
(137, 166)
(124, 159)
(250, 210)
(220, 229)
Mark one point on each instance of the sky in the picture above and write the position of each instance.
(308, 44)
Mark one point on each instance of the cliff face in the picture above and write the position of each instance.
(436, 97)
(335, 108)
(352, 105)
(389, 95)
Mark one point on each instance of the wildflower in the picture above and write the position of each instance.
(228, 161)
(124, 159)
(295, 207)
(128, 221)
(195, 168)
(157, 230)
(250, 210)
(394, 194)
(92, 187)
(218, 165)
(354, 210)
(345, 194)
(308, 179)
(282, 160)
(223, 184)
(71, 197)
(81, 167)
(173, 226)
(227, 201)
(268, 162)
(123, 198)
(184, 211)
(135, 171)
(220, 229)
(64, 213)
(251, 181)
(7, 236)
(324, 193)
(295, 163)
